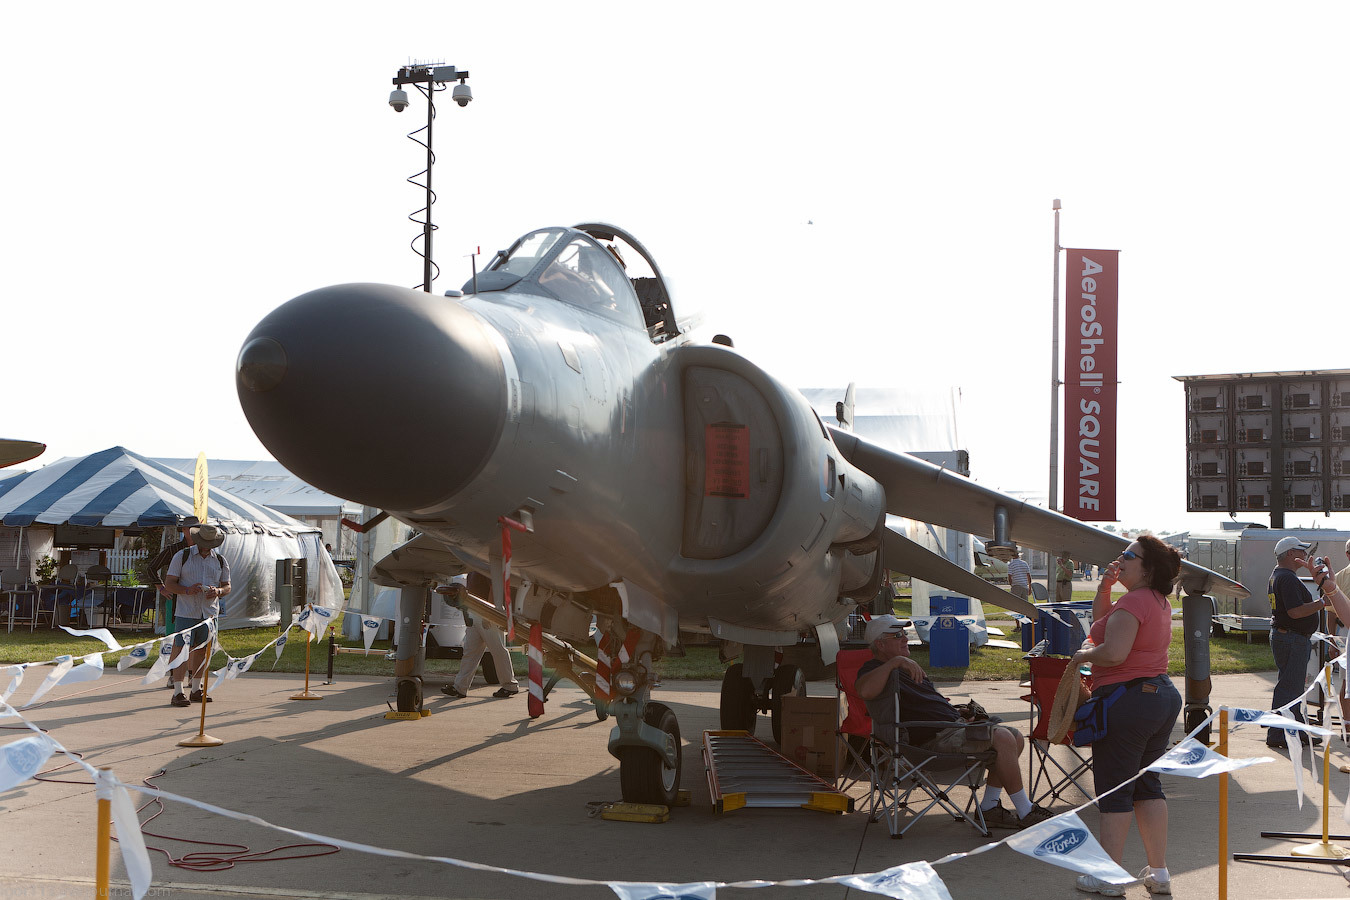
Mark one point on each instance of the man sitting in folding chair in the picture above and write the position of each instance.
(892, 684)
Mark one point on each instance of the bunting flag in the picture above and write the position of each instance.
(102, 634)
(20, 760)
(315, 620)
(135, 858)
(1264, 718)
(535, 653)
(90, 669)
(369, 628)
(138, 654)
(13, 682)
(637, 890)
(161, 664)
(916, 880)
(1065, 841)
(281, 643)
(181, 657)
(63, 665)
(1194, 760)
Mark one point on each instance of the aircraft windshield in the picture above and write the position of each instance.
(527, 252)
(586, 275)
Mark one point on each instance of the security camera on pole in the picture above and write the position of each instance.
(429, 78)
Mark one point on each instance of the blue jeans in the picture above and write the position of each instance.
(1291, 652)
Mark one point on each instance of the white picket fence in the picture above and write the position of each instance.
(120, 561)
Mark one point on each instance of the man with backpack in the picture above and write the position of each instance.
(198, 577)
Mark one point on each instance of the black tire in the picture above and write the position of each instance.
(738, 712)
(788, 681)
(643, 774)
(407, 697)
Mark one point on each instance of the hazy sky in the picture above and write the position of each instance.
(852, 191)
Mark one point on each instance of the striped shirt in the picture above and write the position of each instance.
(1019, 572)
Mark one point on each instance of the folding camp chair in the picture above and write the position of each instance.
(897, 770)
(1048, 777)
(855, 731)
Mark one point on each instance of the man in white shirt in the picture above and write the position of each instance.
(198, 577)
(1019, 577)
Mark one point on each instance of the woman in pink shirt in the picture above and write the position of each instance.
(1127, 647)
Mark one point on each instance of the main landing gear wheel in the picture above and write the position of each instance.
(407, 695)
(788, 681)
(643, 773)
(738, 701)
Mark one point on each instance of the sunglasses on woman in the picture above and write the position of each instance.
(1128, 554)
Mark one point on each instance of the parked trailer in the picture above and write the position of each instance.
(1248, 557)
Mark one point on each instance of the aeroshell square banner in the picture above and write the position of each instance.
(1089, 464)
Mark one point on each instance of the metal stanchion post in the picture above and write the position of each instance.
(332, 654)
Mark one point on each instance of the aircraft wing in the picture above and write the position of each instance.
(917, 561)
(920, 490)
(16, 451)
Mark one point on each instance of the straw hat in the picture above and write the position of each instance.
(1067, 698)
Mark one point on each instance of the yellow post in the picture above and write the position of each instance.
(305, 694)
(202, 739)
(1222, 750)
(103, 866)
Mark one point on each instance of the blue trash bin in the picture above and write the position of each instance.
(1067, 636)
(948, 605)
(948, 643)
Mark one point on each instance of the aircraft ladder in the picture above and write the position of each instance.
(744, 771)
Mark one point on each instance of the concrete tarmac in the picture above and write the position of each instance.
(480, 781)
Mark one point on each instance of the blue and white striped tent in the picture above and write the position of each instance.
(121, 489)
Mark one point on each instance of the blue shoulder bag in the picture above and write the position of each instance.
(1089, 723)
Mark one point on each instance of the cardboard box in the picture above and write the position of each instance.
(809, 740)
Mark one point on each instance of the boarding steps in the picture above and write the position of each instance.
(744, 772)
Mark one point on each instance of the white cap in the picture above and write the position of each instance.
(1286, 544)
(881, 625)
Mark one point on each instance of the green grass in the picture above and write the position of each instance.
(1228, 655)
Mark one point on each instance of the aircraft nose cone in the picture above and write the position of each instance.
(383, 395)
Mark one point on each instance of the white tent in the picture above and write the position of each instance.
(268, 483)
(120, 489)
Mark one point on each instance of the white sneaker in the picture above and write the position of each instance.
(1094, 885)
(1154, 885)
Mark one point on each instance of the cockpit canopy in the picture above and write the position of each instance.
(575, 268)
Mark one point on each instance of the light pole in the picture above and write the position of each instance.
(429, 79)
(1054, 375)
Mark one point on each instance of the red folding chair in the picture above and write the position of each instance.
(855, 732)
(1047, 776)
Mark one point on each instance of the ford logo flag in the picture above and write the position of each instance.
(370, 623)
(1066, 841)
(1247, 715)
(1191, 756)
